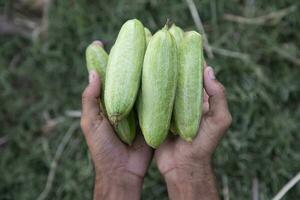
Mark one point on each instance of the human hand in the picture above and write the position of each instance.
(119, 169)
(186, 166)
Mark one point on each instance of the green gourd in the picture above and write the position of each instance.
(96, 59)
(159, 78)
(188, 99)
(124, 70)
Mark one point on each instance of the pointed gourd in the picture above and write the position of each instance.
(96, 59)
(124, 70)
(177, 33)
(159, 78)
(188, 99)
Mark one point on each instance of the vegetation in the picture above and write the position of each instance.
(256, 57)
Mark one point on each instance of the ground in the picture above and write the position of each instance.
(257, 60)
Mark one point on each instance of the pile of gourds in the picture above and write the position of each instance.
(151, 81)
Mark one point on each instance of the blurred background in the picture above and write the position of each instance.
(254, 46)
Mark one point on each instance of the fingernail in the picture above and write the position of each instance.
(98, 42)
(92, 76)
(211, 73)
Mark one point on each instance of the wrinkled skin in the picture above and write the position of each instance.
(176, 153)
(119, 165)
(115, 163)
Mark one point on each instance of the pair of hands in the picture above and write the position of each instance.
(186, 168)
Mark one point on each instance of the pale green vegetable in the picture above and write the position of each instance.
(188, 100)
(124, 70)
(159, 77)
(126, 128)
(96, 59)
(177, 33)
(148, 35)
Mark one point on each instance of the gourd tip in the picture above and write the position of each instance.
(168, 24)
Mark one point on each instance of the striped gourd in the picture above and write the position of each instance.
(148, 35)
(96, 59)
(188, 100)
(177, 33)
(124, 70)
(159, 77)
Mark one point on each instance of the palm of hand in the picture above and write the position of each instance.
(110, 155)
(176, 153)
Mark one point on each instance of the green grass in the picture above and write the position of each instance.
(49, 76)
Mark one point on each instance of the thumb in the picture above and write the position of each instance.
(90, 96)
(216, 92)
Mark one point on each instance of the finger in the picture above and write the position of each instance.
(216, 92)
(169, 143)
(139, 143)
(216, 121)
(98, 42)
(205, 107)
(102, 134)
(166, 146)
(90, 104)
(205, 96)
(140, 154)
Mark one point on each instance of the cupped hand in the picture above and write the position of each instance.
(114, 161)
(178, 156)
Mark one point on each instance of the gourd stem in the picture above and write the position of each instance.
(168, 24)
